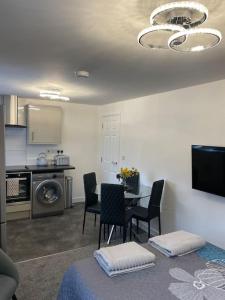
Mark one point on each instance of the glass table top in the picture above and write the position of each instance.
(143, 191)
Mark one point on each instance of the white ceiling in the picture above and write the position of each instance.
(44, 41)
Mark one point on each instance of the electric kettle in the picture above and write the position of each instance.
(42, 159)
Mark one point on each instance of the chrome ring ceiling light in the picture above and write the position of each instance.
(145, 36)
(180, 19)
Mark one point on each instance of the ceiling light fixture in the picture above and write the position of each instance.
(53, 95)
(210, 38)
(146, 39)
(186, 15)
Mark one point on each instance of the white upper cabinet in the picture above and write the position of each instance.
(44, 124)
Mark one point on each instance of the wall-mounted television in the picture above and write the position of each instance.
(208, 169)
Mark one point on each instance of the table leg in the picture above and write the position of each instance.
(110, 235)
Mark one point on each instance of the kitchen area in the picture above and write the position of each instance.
(40, 189)
(40, 185)
(49, 145)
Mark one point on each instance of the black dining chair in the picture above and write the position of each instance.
(113, 209)
(91, 199)
(147, 214)
(133, 184)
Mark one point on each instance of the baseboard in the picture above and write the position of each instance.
(78, 199)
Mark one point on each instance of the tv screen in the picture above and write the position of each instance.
(208, 169)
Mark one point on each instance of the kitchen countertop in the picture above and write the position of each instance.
(37, 169)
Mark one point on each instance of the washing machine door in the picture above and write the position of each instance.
(49, 192)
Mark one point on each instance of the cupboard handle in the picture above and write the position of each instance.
(32, 136)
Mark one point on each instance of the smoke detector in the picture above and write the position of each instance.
(82, 74)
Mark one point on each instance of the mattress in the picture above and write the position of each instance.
(199, 275)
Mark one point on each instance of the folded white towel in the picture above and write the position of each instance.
(124, 258)
(177, 243)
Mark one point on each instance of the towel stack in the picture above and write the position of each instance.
(177, 243)
(124, 258)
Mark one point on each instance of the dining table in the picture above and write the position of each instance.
(131, 197)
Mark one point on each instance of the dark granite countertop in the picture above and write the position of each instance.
(37, 169)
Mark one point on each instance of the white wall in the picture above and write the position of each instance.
(79, 141)
(156, 137)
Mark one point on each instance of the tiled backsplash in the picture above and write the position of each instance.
(17, 150)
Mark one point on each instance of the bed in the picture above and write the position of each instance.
(196, 276)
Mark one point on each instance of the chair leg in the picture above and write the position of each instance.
(99, 236)
(95, 219)
(108, 230)
(159, 225)
(137, 225)
(104, 231)
(149, 229)
(84, 221)
(124, 233)
(131, 230)
(14, 297)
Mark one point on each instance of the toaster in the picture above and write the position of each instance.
(62, 160)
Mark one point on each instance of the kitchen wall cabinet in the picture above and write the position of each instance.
(44, 124)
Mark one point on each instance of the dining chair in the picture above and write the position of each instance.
(133, 187)
(133, 183)
(9, 277)
(113, 209)
(153, 210)
(91, 204)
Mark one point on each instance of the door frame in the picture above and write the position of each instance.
(101, 139)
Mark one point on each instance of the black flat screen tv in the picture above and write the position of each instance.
(208, 169)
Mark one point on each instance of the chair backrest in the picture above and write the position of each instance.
(156, 195)
(112, 204)
(90, 184)
(133, 184)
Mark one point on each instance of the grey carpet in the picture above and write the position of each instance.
(29, 239)
(42, 249)
(40, 278)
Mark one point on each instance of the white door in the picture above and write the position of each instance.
(110, 148)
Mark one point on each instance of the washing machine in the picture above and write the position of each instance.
(48, 194)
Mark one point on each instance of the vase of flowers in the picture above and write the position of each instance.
(126, 173)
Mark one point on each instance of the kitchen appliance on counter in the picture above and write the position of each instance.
(48, 194)
(42, 159)
(61, 159)
(18, 187)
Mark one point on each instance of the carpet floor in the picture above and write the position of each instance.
(44, 248)
(27, 239)
(40, 278)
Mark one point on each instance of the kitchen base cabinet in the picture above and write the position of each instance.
(18, 211)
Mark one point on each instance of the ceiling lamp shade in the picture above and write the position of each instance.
(174, 27)
(195, 40)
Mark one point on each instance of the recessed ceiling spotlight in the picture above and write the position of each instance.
(53, 95)
(82, 74)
